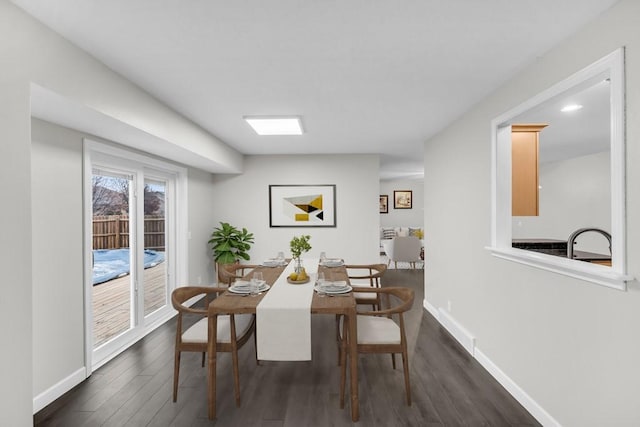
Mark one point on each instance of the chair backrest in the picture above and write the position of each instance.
(229, 273)
(184, 293)
(225, 275)
(371, 272)
(402, 300)
(405, 248)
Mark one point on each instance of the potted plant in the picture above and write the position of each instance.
(298, 246)
(229, 244)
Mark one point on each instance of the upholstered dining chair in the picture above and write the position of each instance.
(403, 249)
(233, 331)
(378, 332)
(229, 273)
(368, 276)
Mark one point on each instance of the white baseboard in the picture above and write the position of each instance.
(520, 395)
(66, 384)
(463, 336)
(430, 308)
(57, 390)
(468, 342)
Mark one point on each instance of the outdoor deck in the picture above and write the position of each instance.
(112, 302)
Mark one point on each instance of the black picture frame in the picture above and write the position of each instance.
(302, 205)
(402, 199)
(384, 203)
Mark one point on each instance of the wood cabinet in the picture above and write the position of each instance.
(524, 169)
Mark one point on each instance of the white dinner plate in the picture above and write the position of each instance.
(245, 289)
(335, 289)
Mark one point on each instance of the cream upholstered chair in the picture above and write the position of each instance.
(379, 333)
(403, 249)
(233, 331)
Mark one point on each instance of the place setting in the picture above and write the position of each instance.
(330, 262)
(278, 261)
(256, 286)
(328, 287)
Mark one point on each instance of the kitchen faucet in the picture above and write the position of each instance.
(575, 234)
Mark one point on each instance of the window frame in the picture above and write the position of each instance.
(501, 226)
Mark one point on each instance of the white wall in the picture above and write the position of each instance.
(570, 346)
(574, 193)
(58, 346)
(243, 201)
(31, 53)
(413, 217)
(202, 207)
(58, 296)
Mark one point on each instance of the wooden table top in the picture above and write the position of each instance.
(241, 303)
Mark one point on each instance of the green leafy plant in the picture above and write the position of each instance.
(230, 244)
(299, 245)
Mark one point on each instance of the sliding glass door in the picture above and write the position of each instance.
(131, 226)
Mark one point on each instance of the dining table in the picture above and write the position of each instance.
(229, 303)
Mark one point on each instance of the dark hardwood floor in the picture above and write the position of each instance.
(449, 388)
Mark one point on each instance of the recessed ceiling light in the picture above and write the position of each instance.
(275, 125)
(571, 107)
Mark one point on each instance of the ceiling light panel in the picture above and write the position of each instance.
(571, 107)
(275, 125)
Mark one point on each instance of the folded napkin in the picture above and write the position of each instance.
(241, 284)
(333, 262)
(283, 318)
(334, 286)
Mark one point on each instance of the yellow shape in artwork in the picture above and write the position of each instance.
(302, 217)
(317, 203)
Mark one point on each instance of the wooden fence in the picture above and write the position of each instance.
(112, 232)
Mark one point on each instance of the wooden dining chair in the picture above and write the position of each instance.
(378, 332)
(229, 273)
(233, 331)
(367, 276)
(362, 276)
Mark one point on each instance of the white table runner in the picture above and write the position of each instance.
(283, 317)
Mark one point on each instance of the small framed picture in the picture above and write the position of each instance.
(402, 199)
(384, 203)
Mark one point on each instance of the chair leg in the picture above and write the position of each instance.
(393, 360)
(407, 386)
(204, 356)
(255, 345)
(176, 375)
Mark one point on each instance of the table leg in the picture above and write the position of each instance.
(211, 353)
(353, 364)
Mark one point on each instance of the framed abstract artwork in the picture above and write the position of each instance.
(384, 203)
(302, 205)
(402, 199)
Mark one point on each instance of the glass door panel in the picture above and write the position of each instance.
(113, 285)
(155, 246)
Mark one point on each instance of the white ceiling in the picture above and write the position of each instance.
(576, 133)
(367, 76)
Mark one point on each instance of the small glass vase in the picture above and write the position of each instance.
(298, 266)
